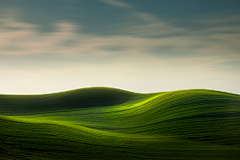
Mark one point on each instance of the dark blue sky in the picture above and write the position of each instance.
(48, 46)
(97, 17)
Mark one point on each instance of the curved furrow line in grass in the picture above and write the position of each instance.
(150, 117)
(54, 139)
(171, 104)
(178, 124)
(71, 100)
(156, 109)
(91, 132)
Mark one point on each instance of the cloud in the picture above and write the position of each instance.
(140, 50)
(22, 38)
(115, 3)
(232, 18)
(148, 25)
(146, 16)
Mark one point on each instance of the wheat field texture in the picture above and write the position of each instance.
(109, 123)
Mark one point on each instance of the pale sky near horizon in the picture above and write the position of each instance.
(138, 45)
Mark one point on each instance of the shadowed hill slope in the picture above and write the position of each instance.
(106, 123)
(75, 99)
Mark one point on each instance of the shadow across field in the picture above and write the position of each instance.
(108, 123)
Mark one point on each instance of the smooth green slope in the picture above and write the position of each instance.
(187, 124)
(196, 114)
(48, 141)
(193, 114)
(69, 100)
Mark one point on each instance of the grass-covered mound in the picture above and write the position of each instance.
(107, 123)
(75, 99)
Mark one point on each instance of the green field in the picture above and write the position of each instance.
(108, 123)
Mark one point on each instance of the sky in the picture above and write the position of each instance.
(138, 45)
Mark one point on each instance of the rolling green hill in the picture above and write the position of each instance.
(108, 123)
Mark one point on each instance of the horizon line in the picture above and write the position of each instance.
(38, 93)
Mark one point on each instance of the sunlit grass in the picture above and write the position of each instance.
(107, 123)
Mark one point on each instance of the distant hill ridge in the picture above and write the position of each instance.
(92, 97)
(74, 99)
(105, 123)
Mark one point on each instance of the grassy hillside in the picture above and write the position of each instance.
(107, 123)
(69, 100)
